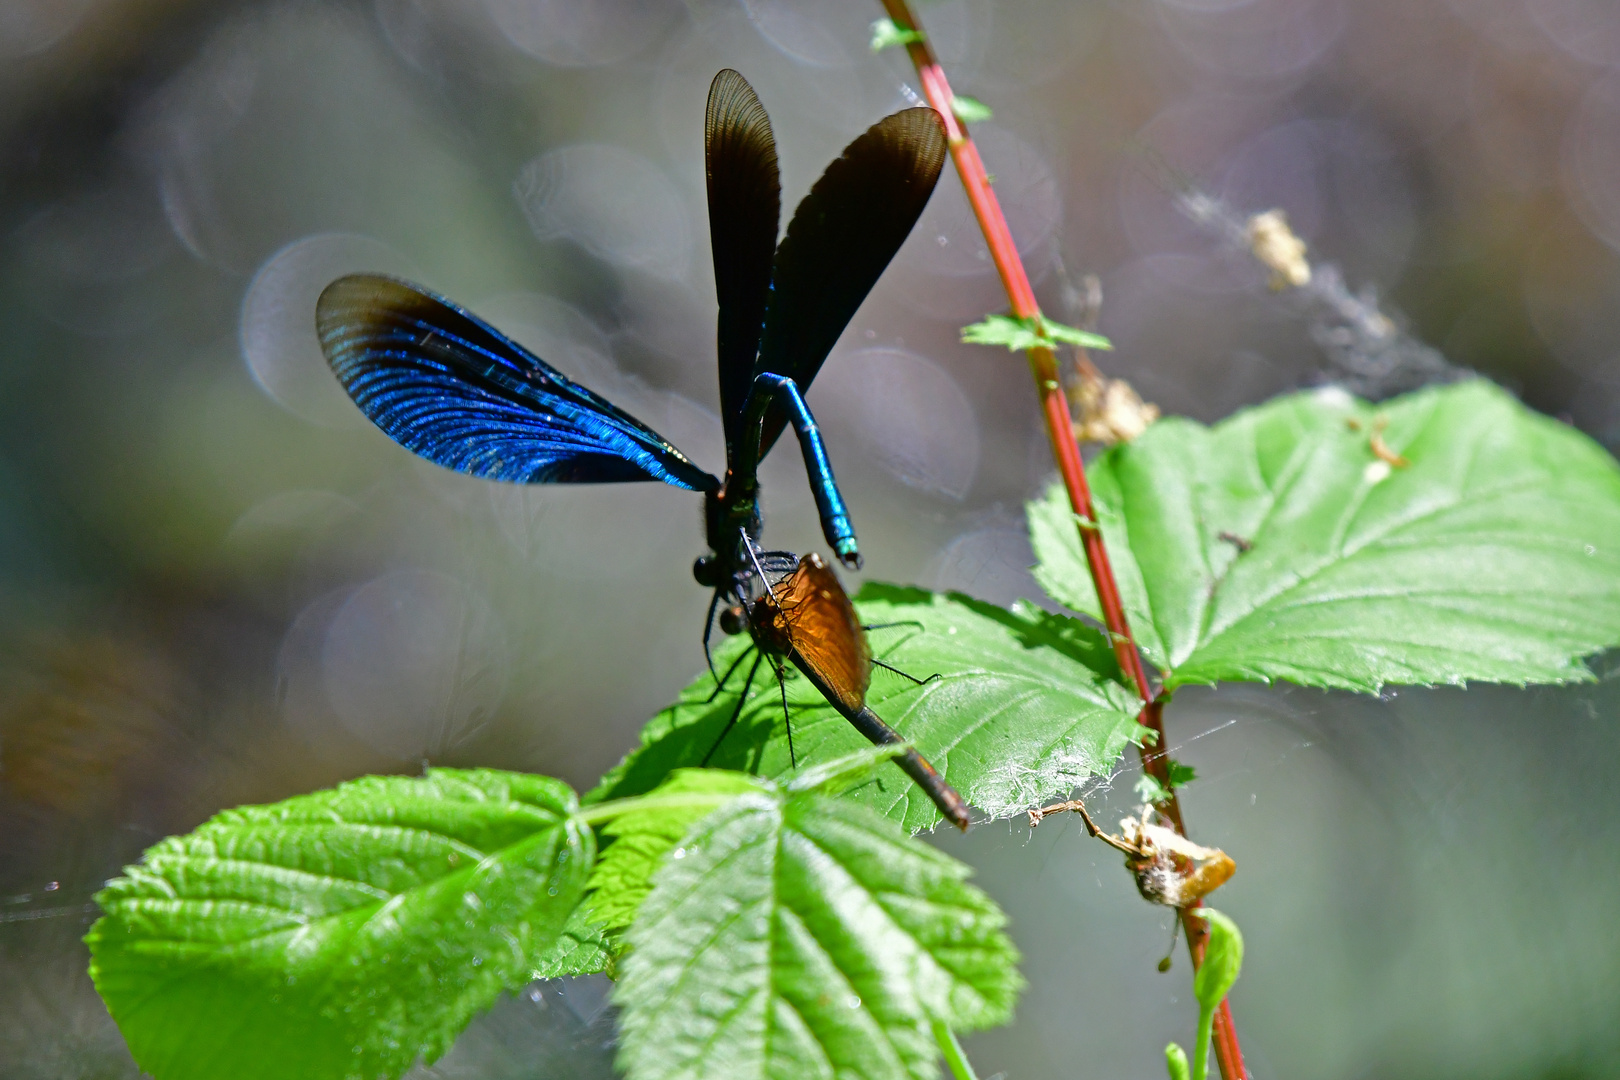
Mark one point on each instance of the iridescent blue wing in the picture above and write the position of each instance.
(448, 386)
(840, 239)
(745, 201)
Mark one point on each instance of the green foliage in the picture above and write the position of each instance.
(351, 932)
(841, 774)
(1175, 1060)
(777, 920)
(1149, 790)
(1223, 958)
(642, 839)
(1026, 708)
(344, 933)
(583, 948)
(1279, 544)
(961, 1068)
(784, 923)
(970, 110)
(886, 34)
(1027, 333)
(806, 935)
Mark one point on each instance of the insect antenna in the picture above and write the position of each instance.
(753, 556)
(742, 699)
(907, 674)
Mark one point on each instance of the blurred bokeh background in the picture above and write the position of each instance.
(219, 585)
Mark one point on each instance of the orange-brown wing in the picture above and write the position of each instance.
(824, 631)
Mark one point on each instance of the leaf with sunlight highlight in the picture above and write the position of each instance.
(805, 935)
(344, 933)
(1447, 536)
(1026, 707)
(642, 839)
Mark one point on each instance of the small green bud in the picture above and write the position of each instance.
(1223, 956)
(1175, 1059)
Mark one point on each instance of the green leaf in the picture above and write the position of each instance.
(1019, 335)
(1279, 545)
(1223, 958)
(805, 935)
(970, 110)
(1026, 708)
(840, 774)
(583, 948)
(622, 877)
(886, 34)
(340, 934)
(1149, 790)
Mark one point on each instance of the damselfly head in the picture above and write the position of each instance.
(734, 619)
(708, 574)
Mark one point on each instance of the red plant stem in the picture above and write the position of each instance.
(1060, 430)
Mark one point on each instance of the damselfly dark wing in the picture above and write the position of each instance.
(745, 204)
(841, 238)
(446, 385)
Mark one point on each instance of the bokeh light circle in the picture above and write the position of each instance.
(1257, 40)
(911, 418)
(277, 325)
(1591, 159)
(32, 26)
(1588, 30)
(612, 202)
(414, 663)
(990, 563)
(82, 258)
(947, 240)
(1572, 294)
(568, 33)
